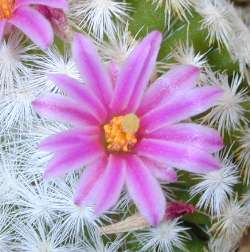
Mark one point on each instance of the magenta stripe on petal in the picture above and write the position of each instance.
(90, 180)
(178, 155)
(147, 72)
(136, 73)
(89, 64)
(81, 93)
(181, 107)
(114, 72)
(145, 191)
(191, 134)
(68, 139)
(2, 26)
(128, 76)
(175, 81)
(111, 184)
(161, 171)
(57, 107)
(59, 4)
(34, 25)
(74, 158)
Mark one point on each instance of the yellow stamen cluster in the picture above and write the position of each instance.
(120, 133)
(6, 8)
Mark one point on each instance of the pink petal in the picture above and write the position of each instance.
(68, 139)
(160, 170)
(136, 73)
(114, 71)
(81, 93)
(89, 64)
(145, 191)
(90, 180)
(178, 155)
(57, 107)
(181, 107)
(2, 26)
(179, 209)
(177, 80)
(192, 134)
(111, 184)
(74, 158)
(59, 4)
(34, 25)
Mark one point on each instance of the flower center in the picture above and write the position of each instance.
(6, 8)
(120, 133)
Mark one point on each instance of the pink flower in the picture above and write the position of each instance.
(177, 209)
(129, 133)
(29, 20)
(58, 21)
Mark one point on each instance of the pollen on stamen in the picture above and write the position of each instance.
(6, 8)
(120, 133)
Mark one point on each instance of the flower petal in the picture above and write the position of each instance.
(177, 80)
(81, 93)
(74, 158)
(160, 171)
(178, 155)
(89, 64)
(59, 4)
(136, 73)
(61, 108)
(2, 26)
(114, 71)
(90, 179)
(68, 139)
(192, 134)
(111, 184)
(34, 25)
(181, 107)
(145, 191)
